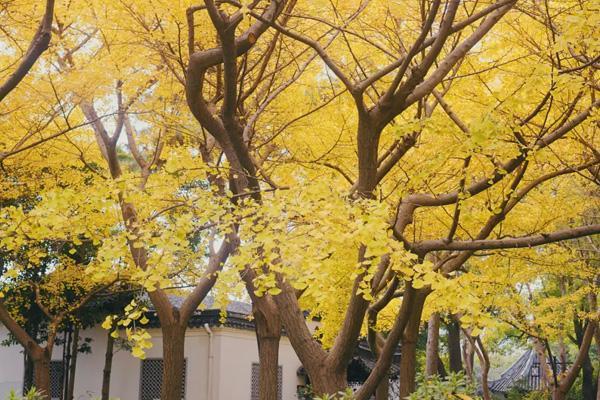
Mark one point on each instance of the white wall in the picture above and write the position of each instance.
(234, 352)
(11, 367)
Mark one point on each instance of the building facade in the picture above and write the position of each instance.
(221, 363)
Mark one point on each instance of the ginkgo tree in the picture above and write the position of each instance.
(352, 160)
(447, 202)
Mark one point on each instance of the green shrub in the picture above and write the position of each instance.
(32, 394)
(454, 386)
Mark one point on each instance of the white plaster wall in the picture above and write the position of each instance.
(11, 367)
(234, 352)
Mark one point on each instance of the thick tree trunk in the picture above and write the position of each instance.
(587, 370)
(558, 394)
(73, 366)
(173, 362)
(454, 351)
(432, 349)
(328, 382)
(268, 334)
(383, 389)
(588, 383)
(41, 374)
(441, 369)
(324, 378)
(408, 362)
(408, 358)
(28, 368)
(598, 387)
(108, 357)
(597, 338)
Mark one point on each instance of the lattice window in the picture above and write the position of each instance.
(151, 379)
(255, 375)
(56, 380)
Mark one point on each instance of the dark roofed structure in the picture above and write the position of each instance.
(525, 374)
(238, 314)
(521, 374)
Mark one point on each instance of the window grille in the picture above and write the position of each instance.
(56, 380)
(151, 379)
(255, 375)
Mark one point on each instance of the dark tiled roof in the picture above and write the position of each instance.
(526, 373)
(364, 355)
(233, 306)
(237, 314)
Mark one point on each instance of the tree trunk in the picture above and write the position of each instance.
(468, 355)
(66, 357)
(597, 338)
(587, 370)
(328, 382)
(432, 349)
(588, 384)
(558, 394)
(268, 334)
(598, 387)
(562, 388)
(408, 358)
(28, 368)
(484, 360)
(454, 352)
(108, 357)
(383, 389)
(441, 369)
(173, 362)
(408, 362)
(41, 374)
(73, 366)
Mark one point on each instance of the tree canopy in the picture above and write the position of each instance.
(370, 163)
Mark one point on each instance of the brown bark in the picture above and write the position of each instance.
(597, 339)
(327, 370)
(173, 321)
(383, 389)
(268, 334)
(173, 362)
(588, 386)
(432, 349)
(560, 391)
(73, 364)
(484, 361)
(485, 369)
(323, 378)
(38, 45)
(408, 358)
(28, 367)
(411, 300)
(468, 355)
(268, 328)
(454, 352)
(106, 372)
(511, 243)
(40, 356)
(41, 374)
(441, 368)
